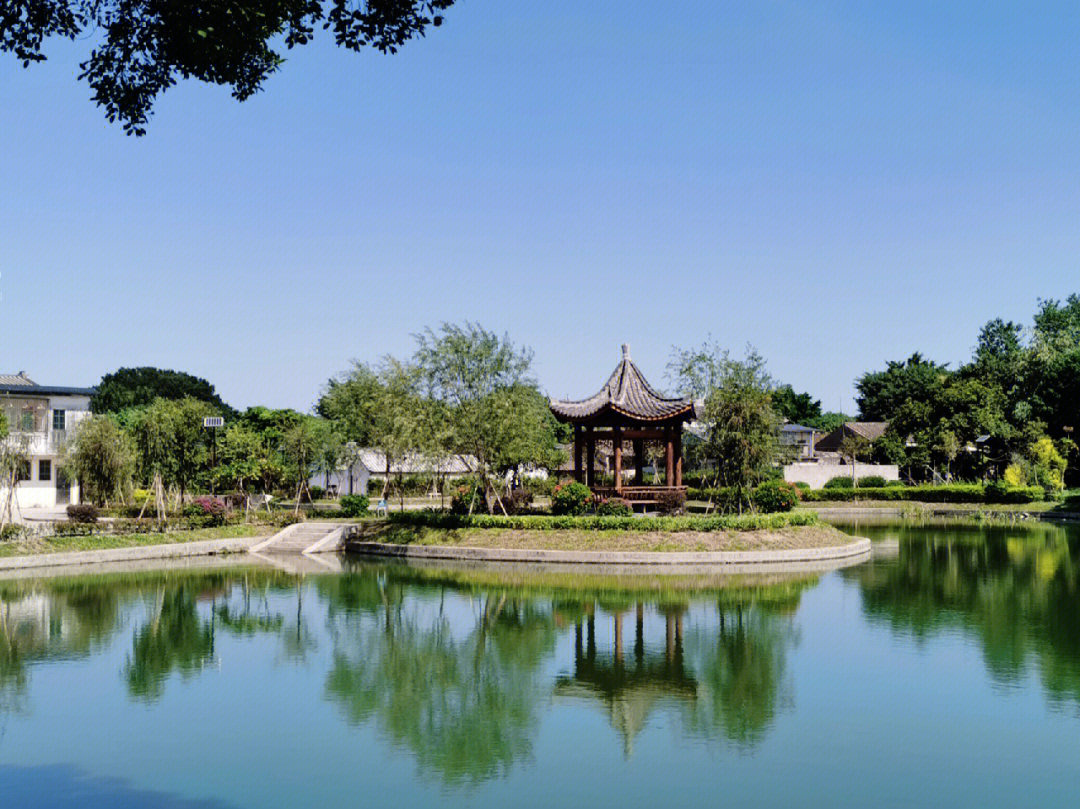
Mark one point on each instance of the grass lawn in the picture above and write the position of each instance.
(26, 547)
(814, 536)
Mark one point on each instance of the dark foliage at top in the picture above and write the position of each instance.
(135, 387)
(143, 46)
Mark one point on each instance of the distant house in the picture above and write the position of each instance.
(801, 439)
(40, 420)
(869, 430)
(371, 466)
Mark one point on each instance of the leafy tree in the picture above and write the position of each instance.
(1057, 327)
(101, 457)
(800, 408)
(137, 387)
(882, 393)
(477, 378)
(742, 429)
(145, 46)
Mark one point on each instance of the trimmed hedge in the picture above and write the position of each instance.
(952, 493)
(568, 522)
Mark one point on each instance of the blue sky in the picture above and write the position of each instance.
(836, 183)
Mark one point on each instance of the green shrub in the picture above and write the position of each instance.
(839, 482)
(671, 502)
(517, 501)
(570, 498)
(774, 495)
(802, 485)
(354, 505)
(872, 482)
(11, 532)
(613, 507)
(84, 513)
(316, 493)
(951, 493)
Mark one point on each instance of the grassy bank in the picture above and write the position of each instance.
(664, 534)
(96, 542)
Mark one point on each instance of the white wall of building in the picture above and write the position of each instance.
(817, 475)
(47, 445)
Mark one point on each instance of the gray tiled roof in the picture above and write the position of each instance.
(20, 379)
(627, 393)
(23, 385)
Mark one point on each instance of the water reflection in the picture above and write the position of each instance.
(1015, 589)
(64, 786)
(463, 690)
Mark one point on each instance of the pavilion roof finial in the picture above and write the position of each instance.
(625, 351)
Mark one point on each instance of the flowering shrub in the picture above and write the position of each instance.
(570, 498)
(469, 492)
(613, 507)
(211, 508)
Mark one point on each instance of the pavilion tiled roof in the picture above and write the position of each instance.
(627, 393)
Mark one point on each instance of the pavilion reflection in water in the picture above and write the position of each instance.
(630, 686)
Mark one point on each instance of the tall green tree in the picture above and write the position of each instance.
(741, 427)
(138, 387)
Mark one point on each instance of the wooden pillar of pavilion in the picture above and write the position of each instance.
(590, 456)
(577, 454)
(639, 462)
(669, 459)
(678, 457)
(616, 438)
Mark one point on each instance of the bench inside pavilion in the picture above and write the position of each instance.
(627, 409)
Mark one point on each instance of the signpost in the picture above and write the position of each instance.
(213, 424)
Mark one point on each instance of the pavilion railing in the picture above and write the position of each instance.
(636, 493)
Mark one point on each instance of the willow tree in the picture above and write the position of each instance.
(102, 458)
(741, 428)
(476, 376)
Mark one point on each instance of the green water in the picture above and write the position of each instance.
(944, 672)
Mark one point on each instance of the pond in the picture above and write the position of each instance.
(944, 671)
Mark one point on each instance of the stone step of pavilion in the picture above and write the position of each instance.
(304, 537)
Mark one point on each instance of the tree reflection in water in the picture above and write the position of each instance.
(464, 696)
(1016, 589)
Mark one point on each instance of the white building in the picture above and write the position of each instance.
(370, 466)
(40, 419)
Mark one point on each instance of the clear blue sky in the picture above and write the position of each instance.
(837, 183)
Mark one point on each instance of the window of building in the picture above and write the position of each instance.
(59, 419)
(44, 470)
(23, 472)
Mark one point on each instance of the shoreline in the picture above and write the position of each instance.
(858, 547)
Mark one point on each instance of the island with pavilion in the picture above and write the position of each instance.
(627, 408)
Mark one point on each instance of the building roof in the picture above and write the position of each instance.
(796, 428)
(23, 385)
(627, 393)
(870, 430)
